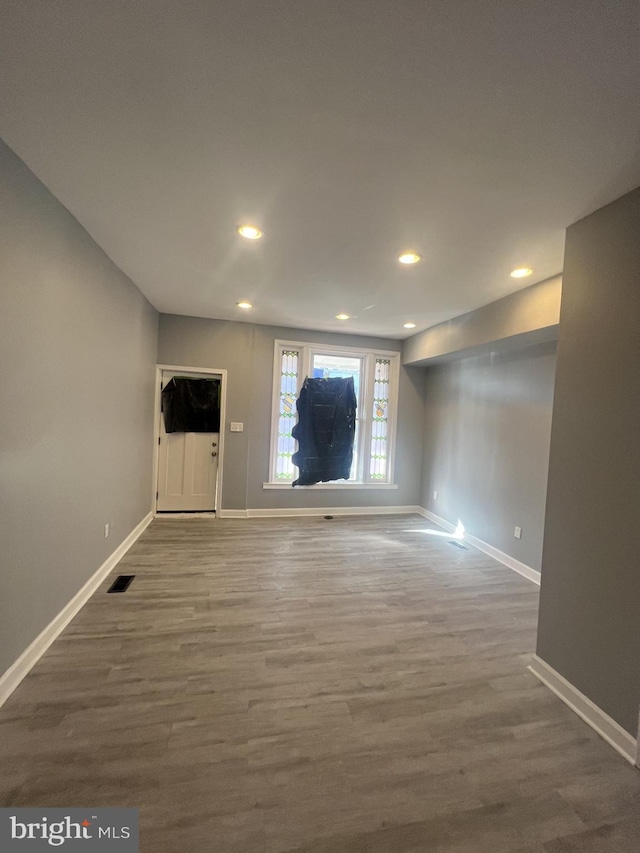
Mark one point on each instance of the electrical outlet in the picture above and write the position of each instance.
(517, 532)
(236, 427)
(435, 495)
(106, 530)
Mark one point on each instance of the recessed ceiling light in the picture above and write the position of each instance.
(521, 272)
(342, 317)
(250, 232)
(409, 325)
(409, 258)
(244, 304)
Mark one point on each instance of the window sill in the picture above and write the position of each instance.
(333, 486)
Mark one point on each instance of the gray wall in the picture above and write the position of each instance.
(246, 351)
(528, 316)
(486, 446)
(77, 345)
(590, 596)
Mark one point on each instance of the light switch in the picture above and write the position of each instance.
(236, 427)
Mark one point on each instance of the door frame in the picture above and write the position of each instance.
(204, 371)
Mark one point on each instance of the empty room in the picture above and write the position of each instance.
(319, 458)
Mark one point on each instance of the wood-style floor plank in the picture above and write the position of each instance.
(312, 686)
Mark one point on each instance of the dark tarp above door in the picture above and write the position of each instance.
(191, 405)
(325, 430)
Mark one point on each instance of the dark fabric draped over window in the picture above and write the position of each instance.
(325, 430)
(191, 405)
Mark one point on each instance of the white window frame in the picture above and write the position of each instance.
(365, 405)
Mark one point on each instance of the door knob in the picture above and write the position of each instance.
(213, 444)
(214, 453)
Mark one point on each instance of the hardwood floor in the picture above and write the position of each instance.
(346, 686)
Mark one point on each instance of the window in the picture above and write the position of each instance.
(375, 376)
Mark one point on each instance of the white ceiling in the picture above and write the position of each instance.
(473, 131)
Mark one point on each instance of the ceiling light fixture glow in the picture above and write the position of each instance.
(249, 231)
(342, 317)
(521, 272)
(409, 325)
(244, 304)
(408, 258)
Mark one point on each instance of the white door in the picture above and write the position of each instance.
(187, 466)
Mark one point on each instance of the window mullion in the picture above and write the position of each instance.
(305, 354)
(366, 416)
(275, 413)
(392, 423)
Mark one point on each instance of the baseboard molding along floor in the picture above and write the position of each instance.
(506, 560)
(608, 729)
(295, 512)
(10, 679)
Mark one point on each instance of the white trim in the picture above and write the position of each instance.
(506, 559)
(233, 513)
(335, 486)
(392, 419)
(291, 512)
(222, 373)
(181, 515)
(607, 728)
(156, 436)
(10, 679)
(431, 516)
(363, 420)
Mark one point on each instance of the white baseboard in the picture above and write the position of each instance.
(442, 522)
(608, 729)
(521, 568)
(172, 516)
(292, 512)
(10, 679)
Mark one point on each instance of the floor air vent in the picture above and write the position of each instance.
(121, 583)
(458, 545)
